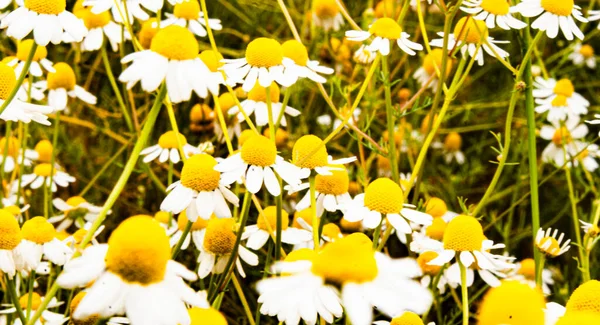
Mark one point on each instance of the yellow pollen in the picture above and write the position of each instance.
(587, 51)
(386, 28)
(325, 8)
(579, 319)
(227, 101)
(334, 184)
(198, 173)
(24, 47)
(38, 230)
(385, 8)
(436, 207)
(586, 298)
(452, 142)
(201, 113)
(302, 254)
(562, 136)
(564, 87)
(408, 318)
(470, 30)
(12, 146)
(36, 301)
(559, 7)
(44, 170)
(147, 32)
(48, 7)
(423, 261)
(258, 93)
(8, 80)
(267, 221)
(219, 238)
(169, 140)
(211, 58)
(44, 150)
(10, 233)
(309, 152)
(348, 259)
(138, 251)
(296, 51)
(513, 303)
(496, 7)
(436, 229)
(182, 221)
(258, 150)
(90, 320)
(264, 53)
(201, 316)
(432, 60)
(463, 233)
(332, 231)
(74, 201)
(527, 268)
(559, 101)
(64, 77)
(92, 20)
(384, 195)
(306, 215)
(175, 43)
(162, 217)
(188, 10)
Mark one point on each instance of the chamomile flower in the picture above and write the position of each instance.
(512, 302)
(468, 35)
(326, 14)
(364, 55)
(62, 84)
(309, 153)
(266, 226)
(38, 61)
(43, 174)
(493, 12)
(406, 318)
(524, 271)
(594, 15)
(18, 110)
(431, 272)
(492, 277)
(263, 62)
(100, 28)
(10, 237)
(168, 149)
(555, 14)
(384, 198)
(14, 154)
(385, 30)
(330, 232)
(202, 190)
(551, 245)
(562, 138)
(195, 234)
(300, 65)
(173, 58)
(74, 210)
(47, 19)
(218, 242)
(558, 108)
(257, 103)
(589, 228)
(93, 318)
(585, 299)
(117, 8)
(39, 240)
(584, 154)
(133, 275)
(188, 13)
(432, 64)
(559, 98)
(255, 163)
(451, 147)
(214, 78)
(49, 317)
(583, 54)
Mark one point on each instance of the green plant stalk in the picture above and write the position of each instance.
(52, 160)
(173, 121)
(575, 219)
(104, 168)
(315, 218)
(115, 193)
(30, 291)
(115, 87)
(465, 293)
(186, 231)
(21, 78)
(389, 111)
(12, 293)
(286, 99)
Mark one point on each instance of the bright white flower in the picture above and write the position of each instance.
(559, 99)
(551, 245)
(43, 174)
(330, 232)
(9, 239)
(385, 30)
(452, 148)
(493, 12)
(18, 110)
(75, 208)
(214, 78)
(168, 149)
(38, 61)
(14, 154)
(39, 240)
(28, 92)
(310, 153)
(195, 234)
(583, 54)
(562, 145)
(266, 226)
(117, 8)
(586, 154)
(524, 271)
(257, 103)
(555, 14)
(589, 228)
(50, 318)
(326, 15)
(61, 84)
(365, 55)
(188, 13)
(300, 64)
(100, 27)
(201, 191)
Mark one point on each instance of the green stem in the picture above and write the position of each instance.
(177, 247)
(22, 76)
(465, 293)
(115, 87)
(12, 292)
(389, 111)
(315, 217)
(104, 168)
(575, 217)
(30, 291)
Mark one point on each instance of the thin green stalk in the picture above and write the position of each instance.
(14, 297)
(22, 76)
(465, 293)
(23, 145)
(389, 111)
(286, 99)
(104, 168)
(30, 291)
(52, 162)
(115, 87)
(575, 219)
(315, 218)
(270, 113)
(177, 247)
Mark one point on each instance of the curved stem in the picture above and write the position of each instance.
(186, 231)
(22, 76)
(389, 111)
(465, 293)
(315, 217)
(115, 87)
(12, 293)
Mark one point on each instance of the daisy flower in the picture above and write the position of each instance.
(202, 190)
(300, 65)
(173, 58)
(38, 61)
(586, 154)
(559, 95)
(384, 198)
(195, 234)
(62, 84)
(364, 55)
(214, 78)
(10, 237)
(14, 154)
(437, 208)
(50, 318)
(255, 163)
(133, 275)
(92, 319)
(234, 128)
(18, 110)
(326, 15)
(431, 272)
(100, 27)
(266, 226)
(512, 302)
(585, 299)
(589, 228)
(330, 232)
(117, 8)
(583, 54)
(188, 13)
(406, 317)
(594, 15)
(468, 35)
(147, 32)
(551, 245)
(202, 118)
(385, 30)
(168, 149)
(263, 62)
(39, 240)
(257, 103)
(524, 271)
(493, 12)
(43, 174)
(366, 279)
(558, 108)
(492, 277)
(218, 242)
(309, 153)
(432, 64)
(555, 14)
(451, 147)
(562, 136)
(47, 19)
(75, 208)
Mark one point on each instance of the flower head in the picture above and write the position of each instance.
(555, 14)
(548, 242)
(512, 303)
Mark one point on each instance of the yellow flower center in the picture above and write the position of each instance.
(13, 209)
(579, 319)
(74, 201)
(302, 254)
(452, 142)
(211, 58)
(350, 227)
(92, 20)
(562, 136)
(201, 113)
(309, 152)
(138, 251)
(408, 318)
(48, 7)
(423, 261)
(564, 87)
(587, 51)
(385, 8)
(436, 207)
(586, 298)
(147, 32)
(436, 229)
(384, 195)
(512, 303)
(182, 221)
(219, 238)
(296, 51)
(227, 101)
(44, 170)
(527, 268)
(201, 316)
(24, 47)
(463, 233)
(12, 147)
(496, 7)
(348, 259)
(63, 77)
(332, 231)
(36, 301)
(434, 59)
(258, 150)
(281, 136)
(325, 8)
(38, 230)
(162, 217)
(198, 173)
(90, 320)
(175, 43)
(306, 215)
(470, 30)
(44, 150)
(8, 80)
(10, 233)
(559, 7)
(386, 28)
(264, 53)
(244, 136)
(553, 249)
(334, 184)
(258, 93)
(188, 10)
(169, 140)
(559, 101)
(267, 221)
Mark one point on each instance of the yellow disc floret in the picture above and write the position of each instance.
(44, 149)
(436, 229)
(408, 318)
(63, 77)
(169, 140)
(306, 215)
(452, 142)
(188, 10)
(470, 30)
(219, 238)
(92, 20)
(562, 136)
(549, 245)
(162, 217)
(201, 113)
(258, 93)
(175, 43)
(227, 101)
(12, 147)
(147, 32)
(309, 152)
(302, 254)
(198, 173)
(579, 319)
(559, 101)
(325, 8)
(463, 233)
(202, 316)
(512, 303)
(434, 59)
(384, 195)
(211, 58)
(334, 184)
(267, 220)
(424, 260)
(35, 298)
(90, 320)
(559, 7)
(182, 221)
(44, 170)
(386, 28)
(10, 233)
(258, 150)
(47, 7)
(587, 51)
(296, 51)
(8, 80)
(436, 207)
(496, 7)
(586, 298)
(527, 268)
(75, 201)
(564, 87)
(332, 231)
(38, 230)
(264, 53)
(24, 48)
(138, 251)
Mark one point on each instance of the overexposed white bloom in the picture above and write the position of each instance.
(385, 31)
(583, 54)
(39, 241)
(300, 65)
(74, 208)
(168, 148)
(43, 174)
(38, 61)
(101, 28)
(62, 84)
(257, 103)
(49, 317)
(493, 12)
(562, 145)
(266, 226)
(559, 98)
(188, 13)
(117, 8)
(555, 15)
(550, 243)
(326, 15)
